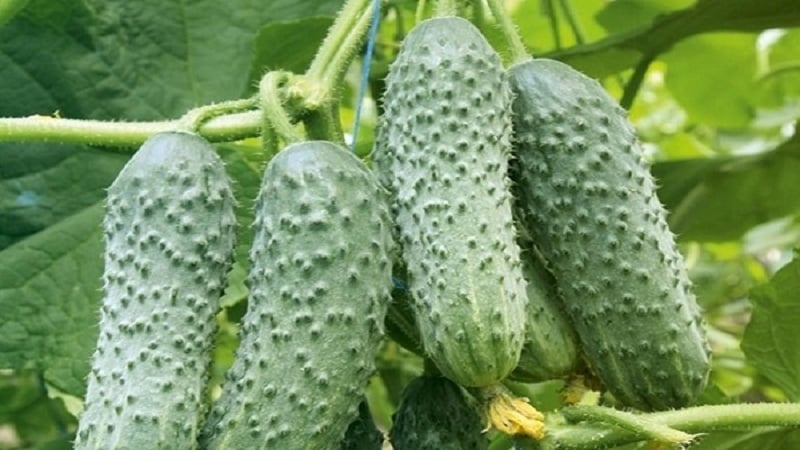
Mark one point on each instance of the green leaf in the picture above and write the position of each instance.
(770, 340)
(50, 290)
(42, 184)
(288, 45)
(712, 77)
(624, 15)
(623, 50)
(719, 199)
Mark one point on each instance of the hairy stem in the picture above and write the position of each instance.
(635, 423)
(121, 134)
(274, 115)
(196, 117)
(339, 31)
(697, 419)
(635, 82)
(518, 51)
(333, 75)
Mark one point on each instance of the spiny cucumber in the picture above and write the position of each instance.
(320, 285)
(589, 203)
(551, 347)
(436, 414)
(169, 233)
(442, 150)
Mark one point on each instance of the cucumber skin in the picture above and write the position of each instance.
(169, 232)
(589, 203)
(551, 347)
(435, 414)
(320, 285)
(442, 151)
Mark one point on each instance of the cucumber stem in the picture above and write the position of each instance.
(697, 419)
(274, 115)
(121, 134)
(333, 74)
(342, 27)
(577, 31)
(445, 8)
(193, 119)
(635, 423)
(519, 53)
(419, 14)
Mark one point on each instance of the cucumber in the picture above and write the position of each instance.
(589, 203)
(320, 285)
(435, 414)
(442, 151)
(169, 237)
(362, 434)
(551, 348)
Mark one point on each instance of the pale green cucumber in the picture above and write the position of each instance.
(589, 204)
(169, 235)
(442, 150)
(320, 284)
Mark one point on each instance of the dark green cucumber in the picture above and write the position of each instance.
(551, 346)
(589, 203)
(442, 150)
(436, 414)
(320, 285)
(169, 232)
(362, 434)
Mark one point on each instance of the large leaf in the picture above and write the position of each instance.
(770, 340)
(621, 51)
(719, 199)
(49, 294)
(288, 45)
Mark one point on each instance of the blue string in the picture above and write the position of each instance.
(362, 88)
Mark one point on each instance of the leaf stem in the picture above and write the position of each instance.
(446, 8)
(193, 119)
(518, 51)
(554, 28)
(121, 134)
(577, 31)
(333, 74)
(635, 82)
(274, 114)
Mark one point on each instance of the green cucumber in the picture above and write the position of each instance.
(362, 434)
(589, 203)
(436, 414)
(442, 151)
(320, 285)
(169, 233)
(551, 347)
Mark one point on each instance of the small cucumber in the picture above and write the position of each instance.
(320, 285)
(436, 414)
(169, 234)
(589, 203)
(551, 346)
(442, 150)
(362, 434)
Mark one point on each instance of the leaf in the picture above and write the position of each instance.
(624, 15)
(719, 199)
(770, 339)
(49, 296)
(288, 45)
(621, 51)
(42, 184)
(712, 77)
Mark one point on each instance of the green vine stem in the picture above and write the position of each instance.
(338, 33)
(121, 134)
(333, 74)
(196, 117)
(635, 423)
(553, 19)
(419, 14)
(274, 116)
(446, 8)
(699, 419)
(518, 51)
